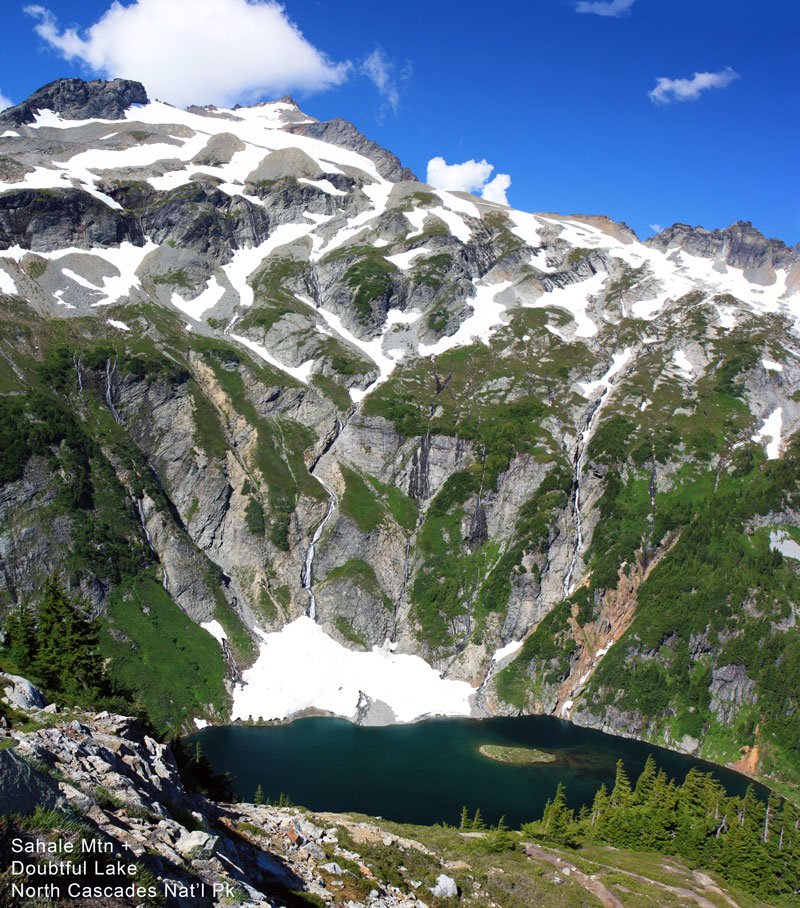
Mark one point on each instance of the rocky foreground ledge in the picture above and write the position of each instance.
(120, 790)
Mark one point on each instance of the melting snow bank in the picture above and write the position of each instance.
(772, 430)
(301, 667)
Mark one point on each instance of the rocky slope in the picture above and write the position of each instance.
(253, 371)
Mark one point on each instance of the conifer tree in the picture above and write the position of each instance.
(465, 822)
(646, 783)
(477, 820)
(259, 795)
(621, 793)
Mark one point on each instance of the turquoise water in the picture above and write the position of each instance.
(424, 773)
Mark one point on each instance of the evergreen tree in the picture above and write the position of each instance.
(20, 643)
(465, 822)
(558, 820)
(621, 793)
(259, 795)
(646, 783)
(477, 821)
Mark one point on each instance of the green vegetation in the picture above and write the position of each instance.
(697, 591)
(749, 843)
(174, 279)
(372, 279)
(155, 649)
(36, 268)
(58, 646)
(546, 652)
(404, 509)
(254, 516)
(359, 502)
(522, 755)
(362, 574)
(346, 629)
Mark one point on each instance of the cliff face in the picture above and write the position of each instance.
(248, 360)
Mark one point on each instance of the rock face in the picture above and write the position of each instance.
(740, 245)
(341, 132)
(23, 789)
(74, 99)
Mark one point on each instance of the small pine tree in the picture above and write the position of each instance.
(477, 821)
(621, 793)
(465, 823)
(259, 795)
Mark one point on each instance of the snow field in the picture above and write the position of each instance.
(300, 667)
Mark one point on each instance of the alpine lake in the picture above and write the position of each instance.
(426, 772)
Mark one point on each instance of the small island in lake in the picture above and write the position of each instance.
(504, 754)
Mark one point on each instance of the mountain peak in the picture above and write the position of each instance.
(741, 245)
(75, 99)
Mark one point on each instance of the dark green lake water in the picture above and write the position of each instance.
(424, 773)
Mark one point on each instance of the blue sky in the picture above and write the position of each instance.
(560, 95)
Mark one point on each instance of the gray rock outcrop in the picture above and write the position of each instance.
(75, 99)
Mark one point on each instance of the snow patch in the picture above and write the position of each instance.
(771, 429)
(770, 366)
(214, 628)
(81, 281)
(200, 723)
(300, 667)
(487, 315)
(575, 299)
(121, 326)
(195, 308)
(618, 361)
(507, 650)
(7, 283)
(324, 185)
(245, 261)
(403, 260)
(681, 360)
(781, 541)
(301, 372)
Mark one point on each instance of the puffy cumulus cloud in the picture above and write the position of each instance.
(197, 51)
(471, 176)
(4, 101)
(615, 8)
(495, 190)
(668, 90)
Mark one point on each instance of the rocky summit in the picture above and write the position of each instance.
(309, 435)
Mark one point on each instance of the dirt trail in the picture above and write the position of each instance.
(609, 900)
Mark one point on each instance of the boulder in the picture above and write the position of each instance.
(197, 844)
(23, 788)
(445, 887)
(21, 693)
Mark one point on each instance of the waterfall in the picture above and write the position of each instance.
(76, 360)
(110, 370)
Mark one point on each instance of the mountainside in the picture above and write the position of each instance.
(294, 422)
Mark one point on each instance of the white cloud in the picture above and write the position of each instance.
(668, 90)
(381, 72)
(495, 190)
(471, 176)
(656, 228)
(198, 51)
(615, 8)
(4, 101)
